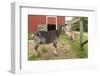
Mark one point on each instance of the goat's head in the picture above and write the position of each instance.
(61, 28)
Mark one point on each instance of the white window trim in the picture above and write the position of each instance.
(51, 16)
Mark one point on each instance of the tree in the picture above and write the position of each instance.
(75, 26)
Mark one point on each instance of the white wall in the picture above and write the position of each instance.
(5, 33)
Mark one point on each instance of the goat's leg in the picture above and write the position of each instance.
(55, 45)
(36, 49)
(73, 37)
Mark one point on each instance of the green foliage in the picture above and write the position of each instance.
(85, 24)
(76, 26)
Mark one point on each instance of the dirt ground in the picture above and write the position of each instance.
(46, 51)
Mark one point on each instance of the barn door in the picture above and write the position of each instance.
(51, 22)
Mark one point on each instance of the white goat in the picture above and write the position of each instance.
(71, 35)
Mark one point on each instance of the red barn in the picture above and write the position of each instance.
(50, 21)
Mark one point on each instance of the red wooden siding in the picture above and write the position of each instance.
(51, 20)
(34, 20)
(60, 19)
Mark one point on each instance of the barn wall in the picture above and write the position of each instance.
(51, 20)
(60, 19)
(34, 20)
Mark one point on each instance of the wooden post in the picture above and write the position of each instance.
(81, 31)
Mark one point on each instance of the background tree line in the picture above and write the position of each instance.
(76, 25)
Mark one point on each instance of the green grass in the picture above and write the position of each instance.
(63, 39)
(80, 52)
(44, 49)
(34, 57)
(30, 36)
